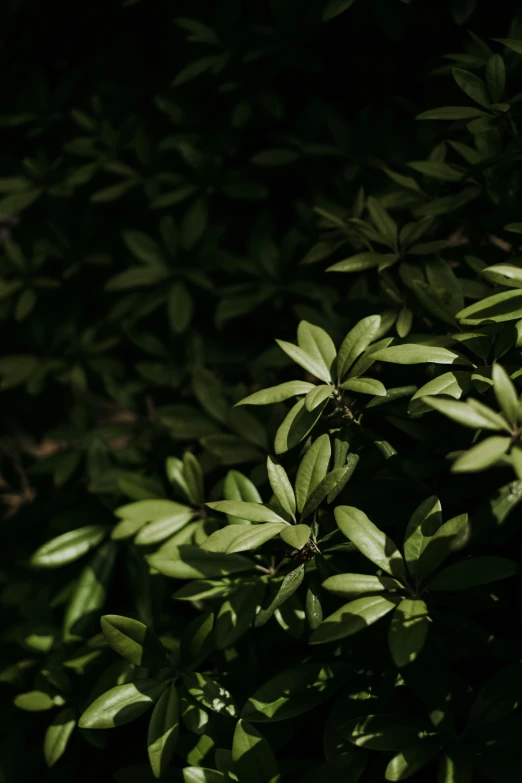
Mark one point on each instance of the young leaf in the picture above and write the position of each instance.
(450, 537)
(296, 426)
(253, 512)
(317, 344)
(365, 386)
(372, 542)
(356, 341)
(300, 357)
(498, 308)
(506, 394)
(422, 526)
(324, 488)
(418, 354)
(464, 413)
(352, 585)
(317, 395)
(281, 486)
(384, 224)
(58, 734)
(296, 536)
(163, 731)
(192, 562)
(133, 641)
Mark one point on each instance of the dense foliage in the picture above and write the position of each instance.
(261, 462)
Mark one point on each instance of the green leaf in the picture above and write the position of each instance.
(296, 426)
(412, 759)
(203, 775)
(506, 394)
(418, 354)
(504, 274)
(255, 536)
(194, 223)
(193, 475)
(253, 759)
(121, 704)
(296, 536)
(472, 85)
(163, 527)
(197, 640)
(422, 526)
(356, 341)
(317, 395)
(454, 384)
(236, 486)
(496, 77)
(294, 691)
(163, 731)
(137, 277)
(324, 488)
(468, 415)
(133, 641)
(57, 735)
(68, 547)
(180, 307)
(454, 767)
(281, 486)
(451, 113)
(334, 8)
(192, 562)
(288, 587)
(498, 308)
(253, 512)
(443, 172)
(318, 345)
(482, 456)
(511, 43)
(210, 693)
(352, 585)
(372, 542)
(89, 594)
(34, 701)
(408, 631)
(382, 732)
(449, 538)
(358, 263)
(365, 386)
(144, 248)
(312, 469)
(237, 613)
(384, 224)
(473, 572)
(11, 205)
(304, 360)
(514, 227)
(353, 617)
(277, 393)
(147, 510)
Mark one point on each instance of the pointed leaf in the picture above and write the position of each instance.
(473, 572)
(408, 631)
(422, 526)
(356, 341)
(133, 641)
(365, 386)
(277, 393)
(253, 759)
(353, 617)
(312, 469)
(121, 704)
(296, 426)
(58, 734)
(352, 585)
(372, 542)
(472, 85)
(68, 547)
(281, 486)
(253, 512)
(318, 395)
(296, 536)
(482, 456)
(163, 731)
(506, 394)
(317, 344)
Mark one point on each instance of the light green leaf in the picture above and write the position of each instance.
(418, 354)
(296, 536)
(372, 542)
(504, 274)
(147, 510)
(253, 759)
(254, 536)
(193, 475)
(511, 43)
(473, 572)
(253, 512)
(466, 414)
(312, 469)
(192, 562)
(365, 386)
(482, 456)
(352, 618)
(121, 704)
(454, 384)
(301, 358)
(68, 547)
(58, 734)
(422, 526)
(165, 526)
(384, 224)
(408, 631)
(34, 701)
(236, 486)
(296, 426)
(163, 731)
(203, 775)
(288, 587)
(352, 585)
(356, 341)
(506, 394)
(382, 732)
(134, 641)
(317, 395)
(281, 486)
(277, 393)
(318, 345)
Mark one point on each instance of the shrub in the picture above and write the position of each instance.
(264, 453)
